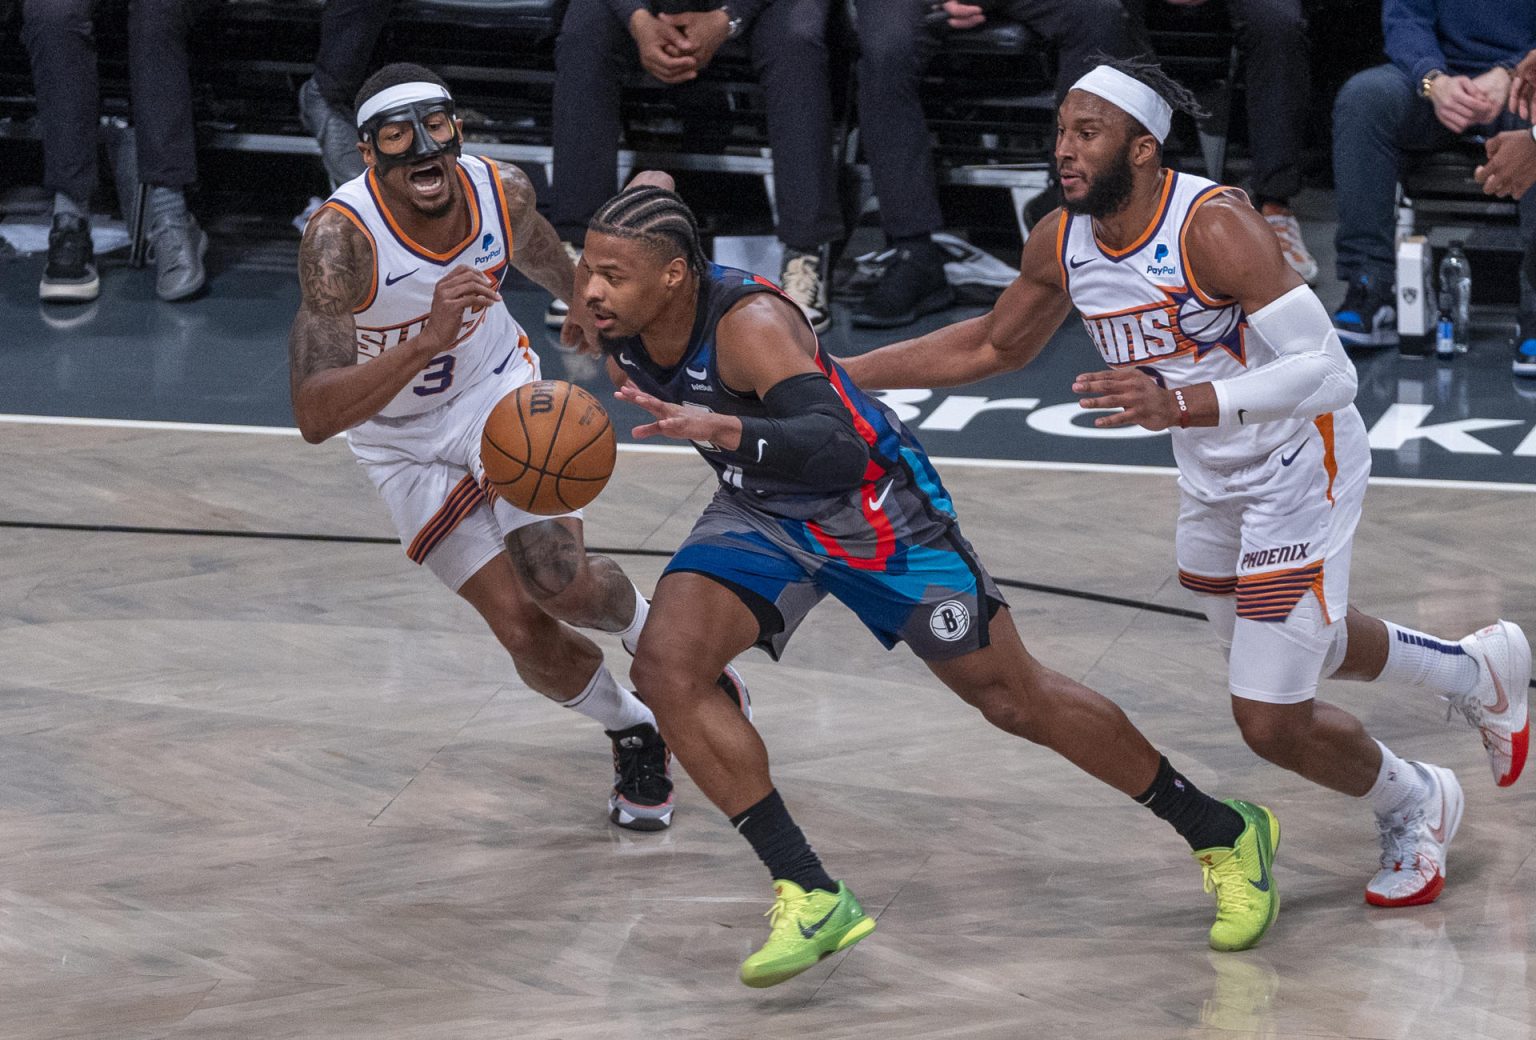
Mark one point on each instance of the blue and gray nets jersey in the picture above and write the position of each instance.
(900, 498)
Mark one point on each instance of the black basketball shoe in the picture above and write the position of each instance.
(70, 276)
(642, 779)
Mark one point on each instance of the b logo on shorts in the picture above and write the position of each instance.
(950, 620)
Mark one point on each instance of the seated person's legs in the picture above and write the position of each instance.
(789, 53)
(1078, 30)
(58, 35)
(349, 29)
(594, 57)
(1376, 118)
(161, 88)
(1272, 37)
(894, 48)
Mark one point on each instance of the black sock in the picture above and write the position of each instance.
(1200, 819)
(780, 844)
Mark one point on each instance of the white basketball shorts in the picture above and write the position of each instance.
(1271, 532)
(427, 469)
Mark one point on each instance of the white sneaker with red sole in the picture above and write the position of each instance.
(1414, 840)
(1499, 707)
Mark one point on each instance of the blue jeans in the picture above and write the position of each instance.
(1378, 120)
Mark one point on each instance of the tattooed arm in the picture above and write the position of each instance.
(537, 253)
(331, 391)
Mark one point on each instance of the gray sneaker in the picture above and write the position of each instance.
(177, 246)
(333, 131)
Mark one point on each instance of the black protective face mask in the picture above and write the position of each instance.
(421, 144)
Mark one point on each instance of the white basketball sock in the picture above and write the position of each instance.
(1422, 660)
(609, 703)
(631, 635)
(1397, 786)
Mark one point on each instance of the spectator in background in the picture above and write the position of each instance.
(896, 41)
(1275, 51)
(1450, 72)
(1510, 171)
(61, 44)
(604, 44)
(349, 30)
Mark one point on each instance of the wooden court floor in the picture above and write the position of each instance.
(261, 788)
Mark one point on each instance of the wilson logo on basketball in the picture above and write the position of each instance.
(541, 399)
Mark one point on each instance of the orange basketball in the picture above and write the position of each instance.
(548, 447)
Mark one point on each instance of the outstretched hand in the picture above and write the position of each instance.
(1145, 403)
(675, 420)
(1511, 167)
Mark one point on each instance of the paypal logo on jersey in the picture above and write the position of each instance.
(1158, 256)
(486, 243)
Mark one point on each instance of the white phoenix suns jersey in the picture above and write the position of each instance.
(405, 273)
(1144, 307)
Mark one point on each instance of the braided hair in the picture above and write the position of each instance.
(657, 217)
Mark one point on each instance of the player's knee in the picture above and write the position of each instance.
(551, 565)
(1005, 705)
(657, 670)
(1271, 736)
(525, 634)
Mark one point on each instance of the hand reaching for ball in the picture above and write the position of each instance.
(674, 420)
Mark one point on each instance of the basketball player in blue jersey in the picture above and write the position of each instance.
(402, 343)
(1208, 332)
(824, 491)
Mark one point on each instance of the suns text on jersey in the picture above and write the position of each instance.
(1129, 337)
(371, 342)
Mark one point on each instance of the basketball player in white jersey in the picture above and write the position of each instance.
(402, 343)
(1208, 332)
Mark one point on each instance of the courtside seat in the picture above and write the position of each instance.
(1440, 185)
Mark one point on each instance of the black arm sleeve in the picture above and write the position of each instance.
(808, 437)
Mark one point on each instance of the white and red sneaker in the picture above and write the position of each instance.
(1498, 708)
(1414, 840)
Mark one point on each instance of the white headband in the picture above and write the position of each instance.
(400, 94)
(1131, 96)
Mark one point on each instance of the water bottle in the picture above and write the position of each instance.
(1456, 281)
(1445, 329)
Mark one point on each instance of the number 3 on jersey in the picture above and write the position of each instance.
(436, 378)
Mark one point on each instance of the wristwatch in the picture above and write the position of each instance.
(733, 23)
(1428, 81)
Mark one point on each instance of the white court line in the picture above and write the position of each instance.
(678, 449)
(147, 424)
